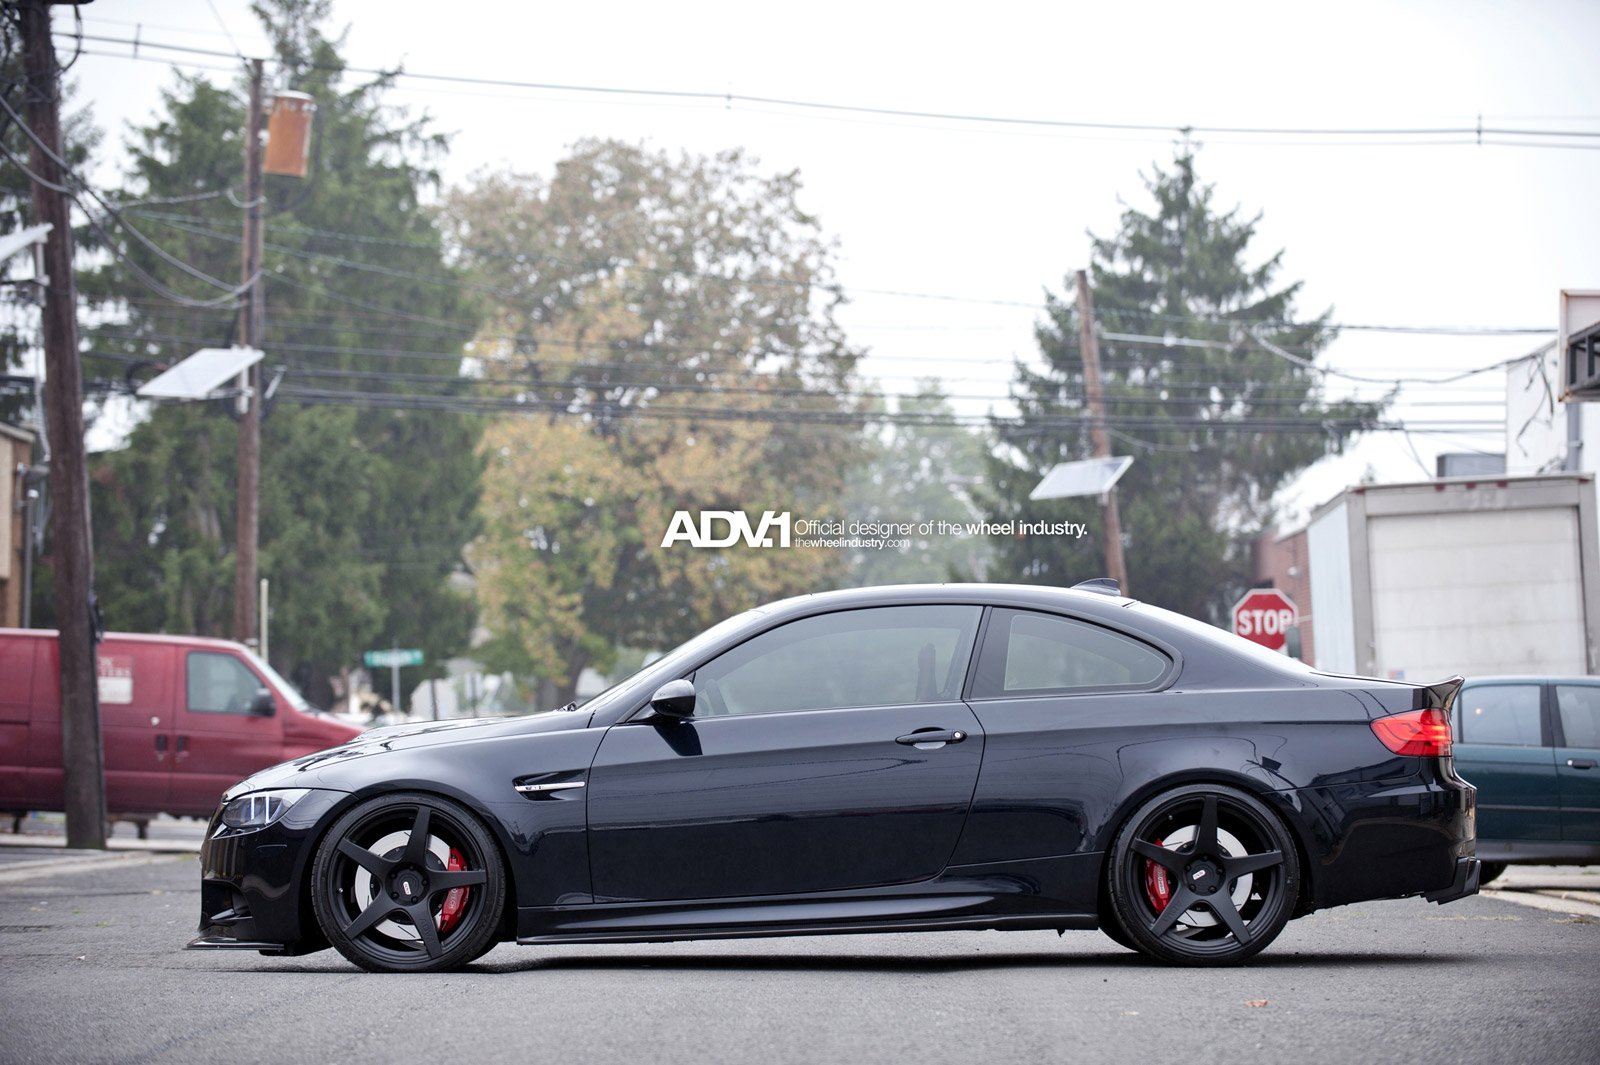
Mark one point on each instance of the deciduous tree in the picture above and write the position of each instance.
(671, 321)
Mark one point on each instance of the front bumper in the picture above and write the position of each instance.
(252, 894)
(1465, 883)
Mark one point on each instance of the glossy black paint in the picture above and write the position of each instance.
(841, 820)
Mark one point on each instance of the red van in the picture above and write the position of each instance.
(183, 718)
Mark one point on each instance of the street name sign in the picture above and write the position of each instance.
(394, 656)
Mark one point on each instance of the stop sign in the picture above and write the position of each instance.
(1265, 615)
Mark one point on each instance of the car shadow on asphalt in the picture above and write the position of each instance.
(923, 964)
(877, 963)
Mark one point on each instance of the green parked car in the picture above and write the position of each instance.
(1531, 745)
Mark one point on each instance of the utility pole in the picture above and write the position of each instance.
(252, 315)
(81, 756)
(1116, 567)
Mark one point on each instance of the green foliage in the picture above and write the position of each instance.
(18, 332)
(919, 472)
(656, 301)
(1215, 431)
(364, 512)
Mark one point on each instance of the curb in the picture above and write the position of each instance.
(126, 846)
(1567, 902)
(73, 862)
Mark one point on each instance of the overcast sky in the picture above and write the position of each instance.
(977, 219)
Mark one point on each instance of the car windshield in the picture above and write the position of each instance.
(672, 662)
(289, 691)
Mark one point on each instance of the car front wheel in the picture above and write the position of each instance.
(1203, 875)
(408, 883)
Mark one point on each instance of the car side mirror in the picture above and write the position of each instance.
(263, 705)
(674, 700)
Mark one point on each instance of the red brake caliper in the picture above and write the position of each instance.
(1156, 884)
(455, 899)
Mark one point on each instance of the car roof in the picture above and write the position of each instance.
(953, 592)
(212, 642)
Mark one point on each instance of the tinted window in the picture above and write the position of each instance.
(882, 657)
(220, 684)
(1579, 707)
(1501, 713)
(1025, 653)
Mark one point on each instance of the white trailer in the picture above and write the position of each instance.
(1471, 575)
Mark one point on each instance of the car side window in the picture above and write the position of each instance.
(885, 656)
(1505, 714)
(220, 684)
(1027, 653)
(1579, 707)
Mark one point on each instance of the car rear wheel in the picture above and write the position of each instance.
(408, 883)
(1203, 875)
(1489, 872)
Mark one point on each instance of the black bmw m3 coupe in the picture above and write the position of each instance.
(911, 758)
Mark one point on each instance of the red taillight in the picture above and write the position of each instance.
(1416, 733)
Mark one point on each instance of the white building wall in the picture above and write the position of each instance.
(1538, 424)
(1333, 618)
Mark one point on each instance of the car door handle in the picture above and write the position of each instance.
(161, 744)
(931, 737)
(1581, 763)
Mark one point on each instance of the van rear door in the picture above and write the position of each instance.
(16, 696)
(136, 723)
(135, 691)
(219, 740)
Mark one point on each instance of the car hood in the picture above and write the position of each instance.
(304, 772)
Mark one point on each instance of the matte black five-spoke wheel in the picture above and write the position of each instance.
(408, 883)
(1202, 875)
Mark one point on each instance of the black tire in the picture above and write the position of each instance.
(380, 882)
(1114, 930)
(1489, 872)
(1218, 895)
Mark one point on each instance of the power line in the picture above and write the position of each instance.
(200, 228)
(229, 33)
(73, 178)
(302, 318)
(1177, 392)
(729, 98)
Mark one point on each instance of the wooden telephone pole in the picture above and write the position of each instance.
(1116, 566)
(252, 316)
(81, 756)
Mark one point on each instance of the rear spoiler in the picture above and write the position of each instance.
(1441, 694)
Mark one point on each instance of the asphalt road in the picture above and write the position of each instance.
(91, 970)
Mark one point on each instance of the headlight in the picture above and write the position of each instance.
(260, 808)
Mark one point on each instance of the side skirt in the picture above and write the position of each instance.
(1043, 921)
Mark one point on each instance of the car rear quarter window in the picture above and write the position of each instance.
(1505, 714)
(885, 656)
(1028, 653)
(1579, 707)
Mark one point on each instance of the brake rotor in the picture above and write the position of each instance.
(1158, 881)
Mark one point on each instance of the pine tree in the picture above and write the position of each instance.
(1216, 419)
(364, 510)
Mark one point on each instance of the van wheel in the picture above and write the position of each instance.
(408, 883)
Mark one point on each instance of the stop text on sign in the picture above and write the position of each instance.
(1265, 622)
(1265, 616)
